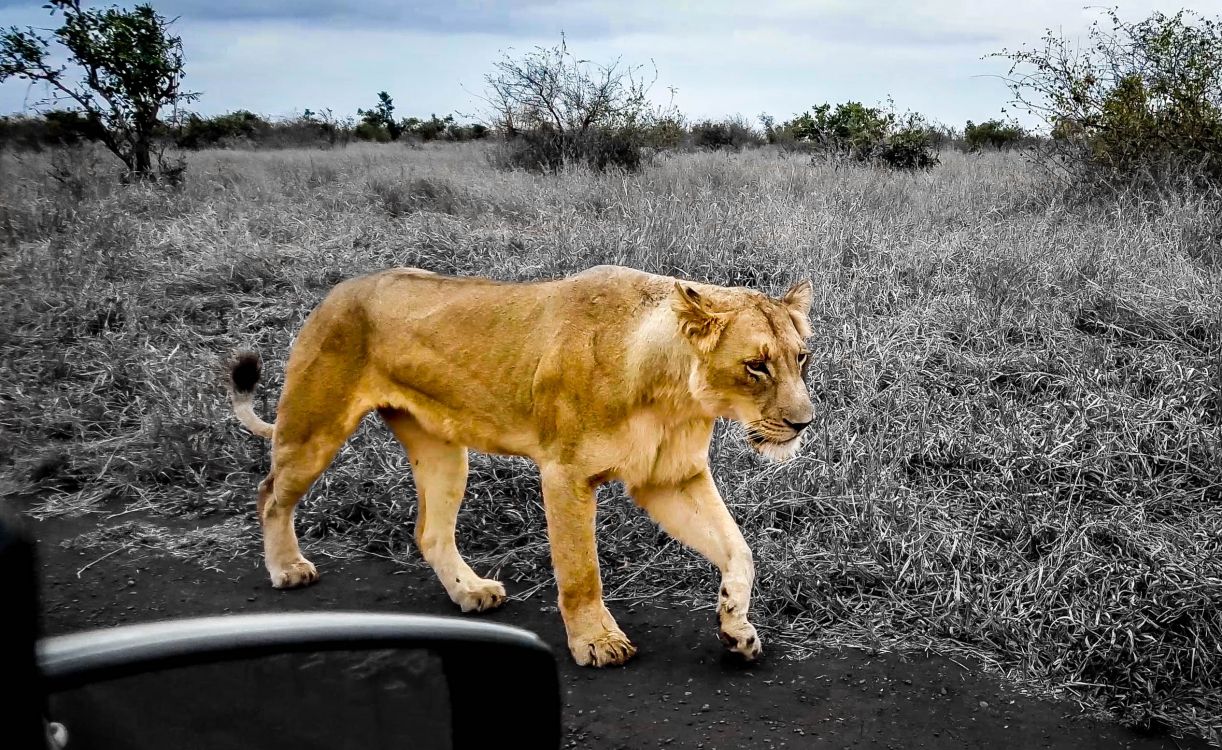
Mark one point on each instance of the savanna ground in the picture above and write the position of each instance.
(1017, 450)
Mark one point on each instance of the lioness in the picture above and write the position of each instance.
(611, 374)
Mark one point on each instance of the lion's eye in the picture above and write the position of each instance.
(757, 368)
(802, 357)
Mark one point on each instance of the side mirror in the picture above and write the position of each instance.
(301, 681)
(305, 680)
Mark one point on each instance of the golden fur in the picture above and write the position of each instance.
(610, 374)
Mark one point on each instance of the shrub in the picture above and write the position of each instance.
(52, 128)
(544, 150)
(853, 131)
(21, 132)
(941, 136)
(664, 132)
(316, 127)
(443, 129)
(369, 132)
(730, 133)
(782, 136)
(431, 129)
(475, 131)
(1141, 103)
(993, 134)
(381, 119)
(909, 146)
(243, 128)
(200, 132)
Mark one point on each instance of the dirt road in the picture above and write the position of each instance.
(678, 693)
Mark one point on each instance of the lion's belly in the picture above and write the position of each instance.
(483, 425)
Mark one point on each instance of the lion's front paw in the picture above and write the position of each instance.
(606, 649)
(294, 575)
(480, 596)
(742, 639)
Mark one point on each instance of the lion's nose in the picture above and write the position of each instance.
(797, 426)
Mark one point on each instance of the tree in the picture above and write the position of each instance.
(555, 109)
(123, 67)
(1142, 99)
(382, 116)
(551, 89)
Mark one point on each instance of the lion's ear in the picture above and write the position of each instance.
(699, 321)
(799, 297)
(797, 301)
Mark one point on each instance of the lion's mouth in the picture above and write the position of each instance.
(776, 450)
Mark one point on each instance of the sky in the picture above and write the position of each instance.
(713, 59)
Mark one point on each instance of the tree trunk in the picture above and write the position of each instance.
(143, 158)
(142, 144)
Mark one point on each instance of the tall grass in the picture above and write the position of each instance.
(1020, 398)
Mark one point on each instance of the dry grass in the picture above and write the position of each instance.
(1017, 452)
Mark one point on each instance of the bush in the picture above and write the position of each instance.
(1142, 103)
(544, 150)
(664, 132)
(941, 136)
(320, 127)
(243, 128)
(474, 132)
(443, 129)
(200, 132)
(21, 132)
(731, 133)
(853, 131)
(52, 128)
(370, 132)
(909, 146)
(381, 119)
(993, 134)
(429, 130)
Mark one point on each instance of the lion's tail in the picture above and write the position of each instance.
(244, 372)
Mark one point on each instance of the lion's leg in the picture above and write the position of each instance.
(440, 471)
(295, 466)
(695, 514)
(594, 637)
(317, 413)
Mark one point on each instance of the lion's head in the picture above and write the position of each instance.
(752, 360)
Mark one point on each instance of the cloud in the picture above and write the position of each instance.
(506, 19)
(880, 22)
(722, 56)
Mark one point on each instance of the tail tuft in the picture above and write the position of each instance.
(244, 372)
